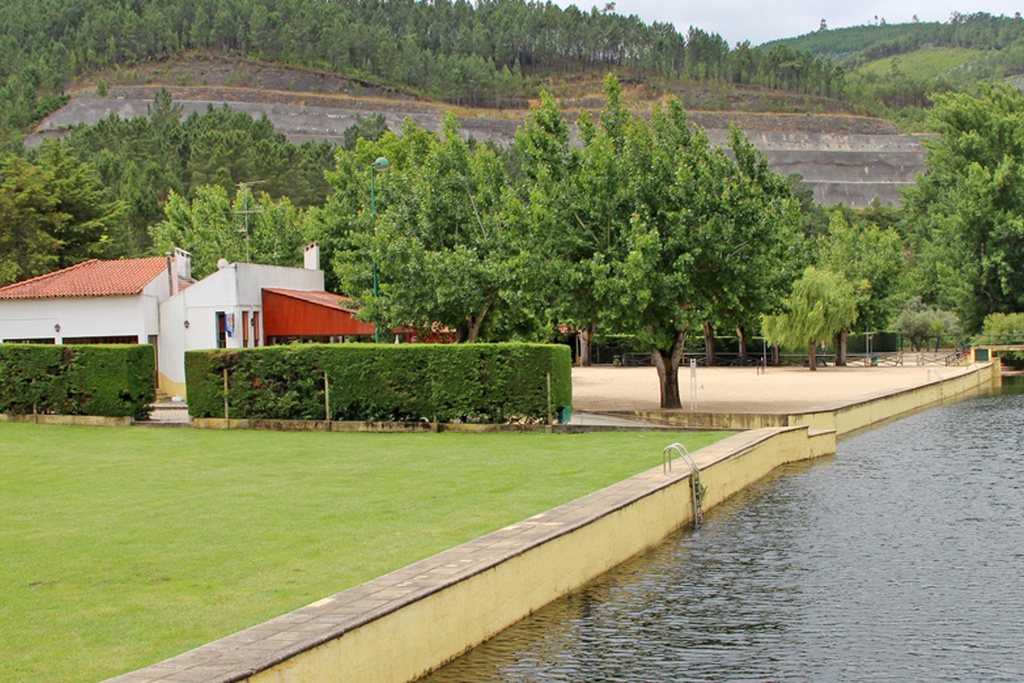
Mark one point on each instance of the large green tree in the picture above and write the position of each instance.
(447, 248)
(577, 201)
(214, 225)
(28, 217)
(706, 235)
(53, 213)
(965, 216)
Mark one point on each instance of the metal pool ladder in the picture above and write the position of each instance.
(697, 490)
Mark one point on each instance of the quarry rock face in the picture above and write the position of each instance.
(851, 169)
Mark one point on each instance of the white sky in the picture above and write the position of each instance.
(759, 22)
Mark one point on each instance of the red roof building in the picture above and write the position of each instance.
(127, 277)
(290, 314)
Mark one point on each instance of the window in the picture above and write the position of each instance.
(222, 330)
(101, 340)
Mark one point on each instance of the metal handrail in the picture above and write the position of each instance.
(697, 490)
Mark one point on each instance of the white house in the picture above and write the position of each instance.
(223, 310)
(90, 302)
(156, 301)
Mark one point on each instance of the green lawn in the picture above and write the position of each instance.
(121, 547)
(928, 62)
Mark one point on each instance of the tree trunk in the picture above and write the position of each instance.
(842, 341)
(742, 337)
(709, 344)
(586, 341)
(812, 348)
(475, 322)
(667, 362)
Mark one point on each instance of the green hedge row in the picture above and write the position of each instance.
(116, 380)
(493, 383)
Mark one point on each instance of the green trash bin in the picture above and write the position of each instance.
(565, 414)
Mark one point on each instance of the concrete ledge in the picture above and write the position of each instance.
(402, 625)
(87, 420)
(354, 426)
(406, 623)
(843, 418)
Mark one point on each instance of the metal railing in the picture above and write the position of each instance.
(697, 490)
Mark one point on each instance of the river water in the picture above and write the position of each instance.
(899, 559)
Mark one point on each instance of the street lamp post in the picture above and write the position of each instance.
(381, 164)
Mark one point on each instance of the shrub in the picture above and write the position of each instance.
(107, 380)
(449, 383)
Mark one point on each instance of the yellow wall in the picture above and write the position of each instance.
(169, 386)
(400, 626)
(427, 632)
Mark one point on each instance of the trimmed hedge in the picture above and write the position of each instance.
(493, 383)
(110, 380)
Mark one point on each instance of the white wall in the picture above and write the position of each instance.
(100, 316)
(235, 289)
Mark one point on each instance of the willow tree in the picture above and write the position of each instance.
(821, 305)
(871, 259)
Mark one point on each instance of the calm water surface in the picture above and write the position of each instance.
(900, 559)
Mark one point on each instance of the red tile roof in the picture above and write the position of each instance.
(319, 298)
(90, 278)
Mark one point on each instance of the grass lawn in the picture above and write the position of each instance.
(120, 547)
(928, 62)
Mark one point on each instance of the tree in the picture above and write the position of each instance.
(28, 217)
(821, 304)
(88, 216)
(696, 236)
(370, 128)
(965, 217)
(918, 323)
(53, 213)
(446, 249)
(869, 258)
(212, 227)
(575, 199)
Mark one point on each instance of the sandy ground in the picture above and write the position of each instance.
(605, 388)
(743, 390)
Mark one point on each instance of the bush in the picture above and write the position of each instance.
(493, 383)
(106, 380)
(1004, 329)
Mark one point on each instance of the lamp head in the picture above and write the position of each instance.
(381, 164)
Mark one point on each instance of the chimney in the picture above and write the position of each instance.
(183, 264)
(172, 282)
(311, 256)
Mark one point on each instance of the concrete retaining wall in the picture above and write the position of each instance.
(404, 624)
(851, 169)
(845, 418)
(87, 420)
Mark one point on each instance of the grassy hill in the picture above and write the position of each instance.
(926, 62)
(843, 44)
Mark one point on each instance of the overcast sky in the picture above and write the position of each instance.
(759, 22)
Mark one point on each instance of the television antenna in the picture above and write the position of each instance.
(246, 213)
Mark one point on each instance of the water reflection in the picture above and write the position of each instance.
(897, 560)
